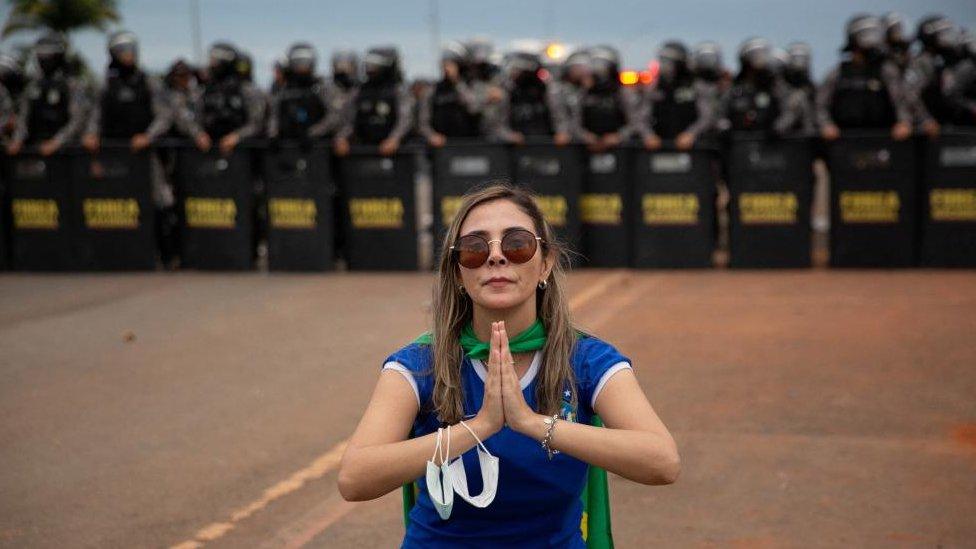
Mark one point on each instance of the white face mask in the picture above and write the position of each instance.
(489, 475)
(441, 491)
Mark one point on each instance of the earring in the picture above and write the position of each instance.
(543, 284)
(461, 289)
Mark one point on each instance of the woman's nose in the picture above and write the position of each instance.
(495, 254)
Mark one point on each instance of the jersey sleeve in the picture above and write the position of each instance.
(599, 361)
(413, 363)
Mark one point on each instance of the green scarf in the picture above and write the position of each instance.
(533, 338)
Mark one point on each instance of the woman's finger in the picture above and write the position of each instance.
(493, 356)
(503, 336)
(492, 347)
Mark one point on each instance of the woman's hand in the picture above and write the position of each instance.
(518, 414)
(491, 417)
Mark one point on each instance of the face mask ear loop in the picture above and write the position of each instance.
(437, 447)
(447, 454)
(476, 438)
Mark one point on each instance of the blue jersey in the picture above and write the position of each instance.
(538, 501)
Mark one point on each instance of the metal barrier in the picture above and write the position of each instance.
(771, 189)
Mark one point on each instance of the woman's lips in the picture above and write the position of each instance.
(498, 282)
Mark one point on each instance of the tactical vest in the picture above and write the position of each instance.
(299, 108)
(962, 116)
(126, 106)
(376, 112)
(49, 108)
(224, 107)
(933, 95)
(528, 111)
(752, 108)
(602, 111)
(449, 115)
(676, 109)
(861, 98)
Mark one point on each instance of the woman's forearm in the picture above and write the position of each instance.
(370, 472)
(641, 456)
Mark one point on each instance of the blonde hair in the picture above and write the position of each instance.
(452, 310)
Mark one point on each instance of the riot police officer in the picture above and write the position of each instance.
(345, 73)
(675, 106)
(759, 100)
(12, 78)
(865, 90)
(607, 113)
(302, 107)
(52, 107)
(927, 71)
(227, 109)
(6, 112)
(796, 75)
(11, 85)
(574, 79)
(897, 40)
(450, 108)
(245, 66)
(379, 111)
(711, 76)
(961, 86)
(132, 105)
(529, 107)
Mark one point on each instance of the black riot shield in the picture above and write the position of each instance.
(4, 219)
(673, 208)
(949, 200)
(771, 188)
(216, 208)
(43, 227)
(555, 175)
(872, 201)
(112, 200)
(458, 167)
(300, 192)
(380, 219)
(605, 208)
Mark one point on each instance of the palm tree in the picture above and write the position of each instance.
(59, 15)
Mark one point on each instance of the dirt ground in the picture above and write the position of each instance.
(811, 408)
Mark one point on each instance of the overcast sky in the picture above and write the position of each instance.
(636, 27)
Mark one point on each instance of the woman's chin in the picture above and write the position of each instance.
(499, 299)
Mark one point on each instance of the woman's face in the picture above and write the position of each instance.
(499, 283)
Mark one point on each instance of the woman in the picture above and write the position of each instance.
(502, 360)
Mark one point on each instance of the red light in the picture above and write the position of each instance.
(653, 69)
(543, 75)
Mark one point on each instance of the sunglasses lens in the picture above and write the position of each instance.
(472, 252)
(519, 246)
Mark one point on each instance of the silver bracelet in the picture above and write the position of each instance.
(551, 423)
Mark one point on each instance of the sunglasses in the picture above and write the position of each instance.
(518, 246)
